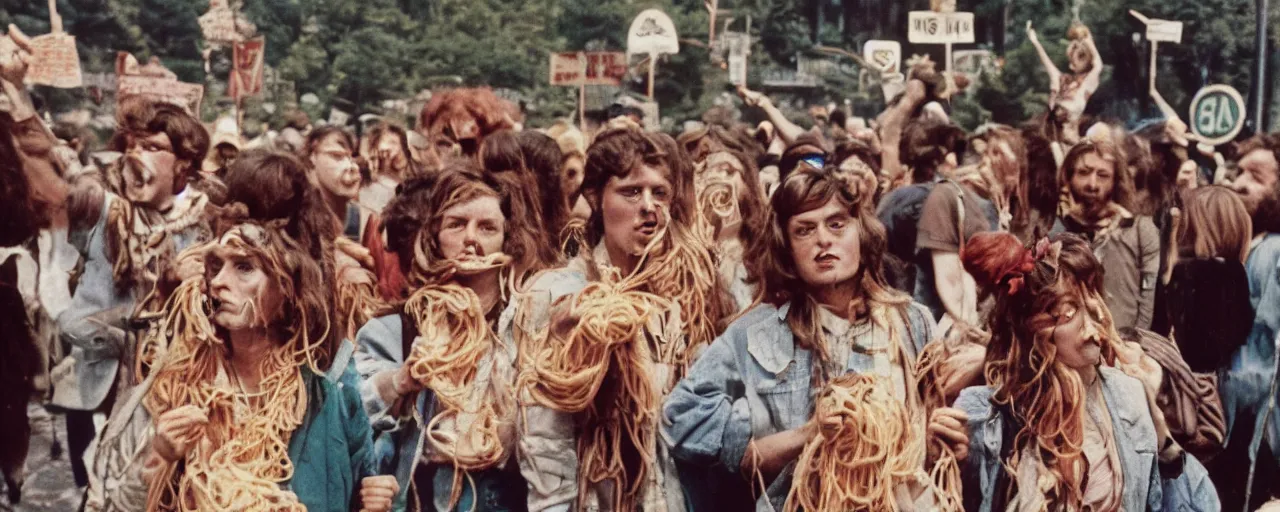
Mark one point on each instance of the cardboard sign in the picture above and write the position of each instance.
(54, 61)
(652, 33)
(885, 54)
(1164, 31)
(246, 70)
(974, 62)
(588, 68)
(1217, 114)
(185, 95)
(222, 24)
(788, 78)
(928, 27)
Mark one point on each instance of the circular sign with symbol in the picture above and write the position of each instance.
(1217, 114)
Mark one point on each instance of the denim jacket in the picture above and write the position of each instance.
(399, 447)
(1246, 383)
(1135, 440)
(752, 382)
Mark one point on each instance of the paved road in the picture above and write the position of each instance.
(49, 486)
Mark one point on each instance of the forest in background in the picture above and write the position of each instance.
(364, 55)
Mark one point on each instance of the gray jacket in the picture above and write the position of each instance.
(95, 325)
(753, 381)
(1131, 254)
(1135, 437)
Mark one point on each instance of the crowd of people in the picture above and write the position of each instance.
(473, 314)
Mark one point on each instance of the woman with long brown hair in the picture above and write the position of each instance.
(440, 368)
(1056, 427)
(591, 385)
(744, 411)
(254, 398)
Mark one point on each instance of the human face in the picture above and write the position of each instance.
(244, 296)
(571, 175)
(1256, 183)
(1186, 179)
(459, 137)
(472, 229)
(1081, 60)
(825, 244)
(390, 152)
(1092, 182)
(1077, 334)
(1005, 163)
(151, 168)
(334, 168)
(629, 206)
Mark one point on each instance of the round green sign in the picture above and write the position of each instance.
(1217, 114)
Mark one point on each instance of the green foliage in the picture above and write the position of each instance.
(361, 52)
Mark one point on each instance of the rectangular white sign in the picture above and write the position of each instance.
(1164, 31)
(928, 27)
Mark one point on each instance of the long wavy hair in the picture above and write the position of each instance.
(504, 156)
(272, 188)
(808, 189)
(618, 152)
(412, 221)
(1216, 225)
(1045, 400)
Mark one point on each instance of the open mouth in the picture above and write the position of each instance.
(648, 228)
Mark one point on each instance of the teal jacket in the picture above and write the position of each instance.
(331, 449)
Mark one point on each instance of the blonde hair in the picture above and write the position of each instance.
(1215, 225)
(572, 141)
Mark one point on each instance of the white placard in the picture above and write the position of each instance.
(1164, 31)
(887, 55)
(928, 27)
(652, 33)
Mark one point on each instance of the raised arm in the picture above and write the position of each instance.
(1054, 75)
(785, 128)
(1094, 78)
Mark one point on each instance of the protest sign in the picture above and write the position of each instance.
(54, 61)
(887, 55)
(588, 68)
(185, 95)
(246, 70)
(223, 24)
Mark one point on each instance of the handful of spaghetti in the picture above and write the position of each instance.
(455, 356)
(865, 451)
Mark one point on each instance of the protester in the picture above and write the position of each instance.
(466, 246)
(1249, 384)
(646, 263)
(389, 164)
(1098, 190)
(745, 405)
(1074, 432)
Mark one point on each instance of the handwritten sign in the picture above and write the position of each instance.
(246, 73)
(185, 95)
(652, 33)
(54, 61)
(928, 27)
(588, 68)
(222, 24)
(739, 45)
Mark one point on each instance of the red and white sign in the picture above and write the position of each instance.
(185, 95)
(588, 68)
(246, 71)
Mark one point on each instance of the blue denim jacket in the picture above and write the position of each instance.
(753, 381)
(398, 447)
(1245, 384)
(1135, 437)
